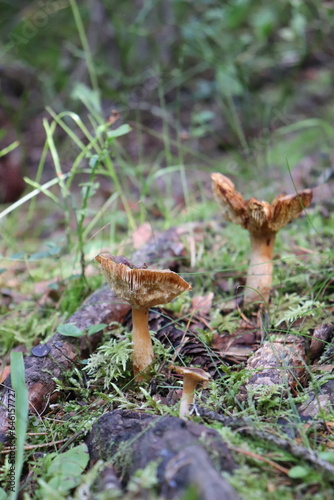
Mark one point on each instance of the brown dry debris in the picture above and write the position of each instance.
(238, 346)
(186, 343)
(201, 304)
(114, 116)
(142, 235)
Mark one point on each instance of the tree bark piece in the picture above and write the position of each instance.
(107, 482)
(132, 440)
(279, 362)
(102, 306)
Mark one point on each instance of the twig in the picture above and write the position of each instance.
(248, 453)
(183, 341)
(242, 315)
(36, 433)
(33, 446)
(202, 320)
(70, 441)
(243, 427)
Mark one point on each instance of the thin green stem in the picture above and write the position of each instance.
(85, 46)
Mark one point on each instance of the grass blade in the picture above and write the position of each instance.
(21, 413)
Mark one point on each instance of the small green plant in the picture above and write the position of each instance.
(153, 405)
(293, 306)
(268, 398)
(63, 471)
(71, 330)
(110, 362)
(144, 479)
(21, 414)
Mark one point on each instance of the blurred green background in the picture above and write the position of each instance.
(242, 87)
(232, 68)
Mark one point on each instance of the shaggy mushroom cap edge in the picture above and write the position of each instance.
(141, 287)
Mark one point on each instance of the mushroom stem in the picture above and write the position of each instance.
(142, 343)
(260, 270)
(189, 386)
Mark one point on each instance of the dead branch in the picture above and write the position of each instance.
(247, 428)
(181, 450)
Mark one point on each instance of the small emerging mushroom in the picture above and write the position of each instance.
(191, 377)
(142, 288)
(263, 220)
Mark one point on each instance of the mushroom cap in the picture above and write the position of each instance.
(195, 373)
(288, 207)
(259, 217)
(233, 203)
(142, 288)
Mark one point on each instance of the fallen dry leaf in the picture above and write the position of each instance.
(142, 235)
(237, 346)
(4, 374)
(202, 304)
(113, 117)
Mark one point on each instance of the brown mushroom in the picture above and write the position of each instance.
(263, 220)
(142, 288)
(191, 377)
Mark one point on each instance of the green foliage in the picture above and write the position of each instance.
(21, 414)
(162, 352)
(110, 362)
(231, 385)
(73, 381)
(215, 395)
(73, 295)
(292, 307)
(25, 325)
(251, 485)
(227, 322)
(144, 479)
(191, 493)
(299, 472)
(71, 330)
(153, 404)
(327, 455)
(62, 471)
(179, 304)
(269, 399)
